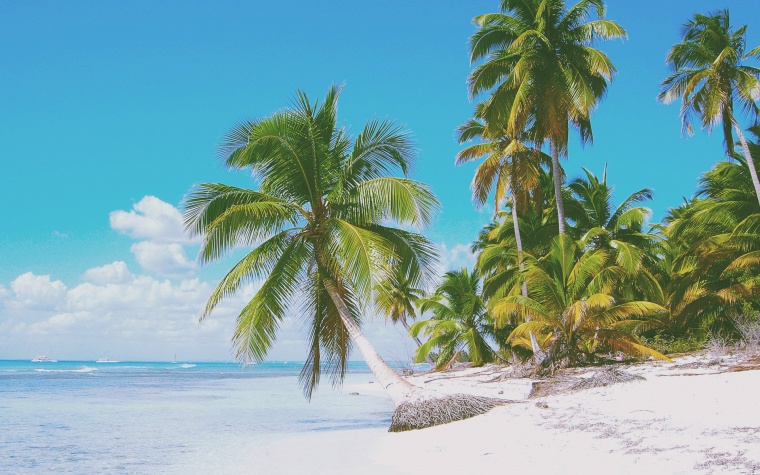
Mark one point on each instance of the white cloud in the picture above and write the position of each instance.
(141, 318)
(38, 291)
(168, 260)
(114, 273)
(151, 219)
(457, 257)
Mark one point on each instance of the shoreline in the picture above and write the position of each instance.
(695, 415)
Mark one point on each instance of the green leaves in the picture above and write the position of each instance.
(458, 323)
(708, 75)
(539, 65)
(228, 217)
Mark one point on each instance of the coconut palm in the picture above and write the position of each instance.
(396, 298)
(459, 324)
(322, 226)
(496, 243)
(592, 210)
(713, 82)
(542, 71)
(601, 225)
(509, 166)
(717, 242)
(572, 310)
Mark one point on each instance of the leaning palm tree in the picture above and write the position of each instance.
(459, 323)
(710, 77)
(542, 71)
(321, 224)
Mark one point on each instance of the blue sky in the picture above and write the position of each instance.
(105, 103)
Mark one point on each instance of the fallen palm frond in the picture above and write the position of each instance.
(601, 378)
(605, 377)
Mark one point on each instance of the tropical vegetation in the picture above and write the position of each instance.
(565, 275)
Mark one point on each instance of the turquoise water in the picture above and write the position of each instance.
(87, 417)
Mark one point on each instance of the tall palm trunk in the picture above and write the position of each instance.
(556, 170)
(748, 157)
(518, 237)
(397, 387)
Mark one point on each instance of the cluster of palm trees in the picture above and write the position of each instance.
(564, 276)
(603, 285)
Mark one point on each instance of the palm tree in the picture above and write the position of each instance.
(542, 71)
(459, 323)
(715, 239)
(710, 77)
(572, 309)
(321, 223)
(593, 212)
(396, 298)
(509, 166)
(601, 225)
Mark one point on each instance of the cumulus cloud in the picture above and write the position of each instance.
(168, 260)
(151, 219)
(38, 291)
(456, 257)
(142, 317)
(159, 227)
(114, 273)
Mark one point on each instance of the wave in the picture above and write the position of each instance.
(85, 369)
(185, 366)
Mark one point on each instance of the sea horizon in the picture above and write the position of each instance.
(162, 417)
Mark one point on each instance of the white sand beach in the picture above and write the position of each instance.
(698, 414)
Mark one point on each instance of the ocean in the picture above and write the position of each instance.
(136, 417)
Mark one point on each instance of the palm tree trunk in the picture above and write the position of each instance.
(416, 408)
(557, 171)
(518, 237)
(750, 161)
(396, 386)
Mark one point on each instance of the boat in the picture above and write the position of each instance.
(106, 360)
(43, 359)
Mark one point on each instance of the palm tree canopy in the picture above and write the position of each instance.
(509, 164)
(539, 64)
(460, 320)
(591, 206)
(710, 77)
(322, 219)
(572, 306)
(396, 298)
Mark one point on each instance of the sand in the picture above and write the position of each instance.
(695, 415)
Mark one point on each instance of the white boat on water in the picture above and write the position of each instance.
(43, 359)
(106, 360)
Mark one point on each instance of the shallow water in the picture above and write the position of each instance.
(86, 417)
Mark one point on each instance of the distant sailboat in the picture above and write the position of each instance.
(43, 359)
(175, 359)
(106, 360)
